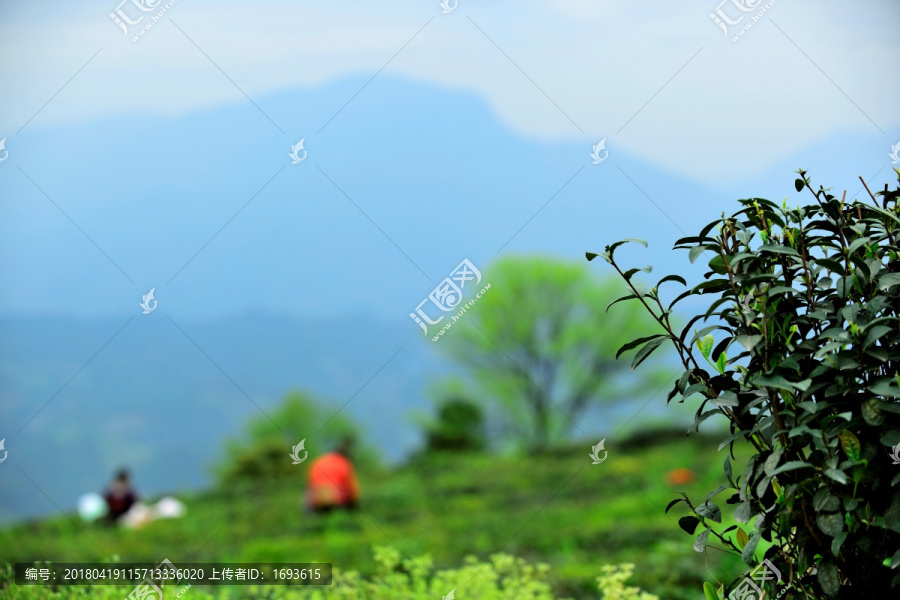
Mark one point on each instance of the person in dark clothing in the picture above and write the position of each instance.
(120, 496)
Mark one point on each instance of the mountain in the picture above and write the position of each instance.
(397, 188)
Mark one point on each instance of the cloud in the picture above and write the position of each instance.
(658, 79)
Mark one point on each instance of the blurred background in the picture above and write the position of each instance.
(294, 181)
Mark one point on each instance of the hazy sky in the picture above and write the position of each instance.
(553, 70)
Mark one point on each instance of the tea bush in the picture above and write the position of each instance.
(801, 355)
(459, 427)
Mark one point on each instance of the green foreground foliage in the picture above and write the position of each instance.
(801, 355)
(554, 508)
(503, 577)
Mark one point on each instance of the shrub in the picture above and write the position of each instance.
(811, 295)
(459, 427)
(263, 451)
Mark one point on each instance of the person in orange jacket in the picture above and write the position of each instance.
(331, 481)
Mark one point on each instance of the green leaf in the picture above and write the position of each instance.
(695, 252)
(828, 578)
(709, 591)
(773, 381)
(693, 389)
(701, 540)
(674, 502)
(837, 542)
(890, 406)
(721, 363)
(630, 272)
(632, 240)
(798, 184)
(741, 538)
(728, 399)
(743, 512)
(625, 297)
(748, 553)
(836, 475)
(870, 412)
(677, 278)
(709, 510)
(705, 345)
(780, 383)
(887, 280)
(716, 491)
(717, 265)
(824, 501)
(885, 388)
(778, 249)
(648, 349)
(850, 444)
(831, 524)
(749, 342)
(592, 255)
(727, 467)
(874, 333)
(855, 244)
(790, 466)
(689, 524)
(772, 461)
(635, 343)
(892, 514)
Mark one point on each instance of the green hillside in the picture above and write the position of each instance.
(555, 508)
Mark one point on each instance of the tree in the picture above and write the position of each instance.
(539, 347)
(802, 357)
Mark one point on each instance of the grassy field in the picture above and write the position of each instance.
(556, 508)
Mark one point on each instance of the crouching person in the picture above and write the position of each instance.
(331, 482)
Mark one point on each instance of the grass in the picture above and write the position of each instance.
(555, 508)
